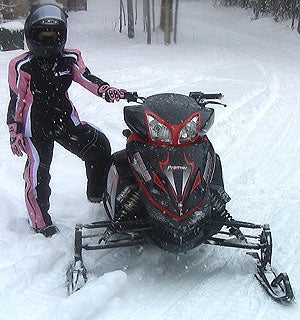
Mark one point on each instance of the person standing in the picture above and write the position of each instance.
(40, 112)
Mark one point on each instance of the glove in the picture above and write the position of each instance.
(17, 142)
(111, 94)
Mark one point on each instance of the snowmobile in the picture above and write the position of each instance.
(162, 190)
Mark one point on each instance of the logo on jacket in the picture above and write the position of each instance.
(64, 73)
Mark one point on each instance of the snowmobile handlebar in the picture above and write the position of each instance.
(205, 98)
(198, 95)
(132, 96)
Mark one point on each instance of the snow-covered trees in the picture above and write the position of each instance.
(280, 9)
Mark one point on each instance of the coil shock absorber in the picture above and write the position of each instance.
(219, 198)
(129, 200)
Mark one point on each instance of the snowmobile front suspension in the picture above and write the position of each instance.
(130, 234)
(114, 235)
(277, 286)
(125, 234)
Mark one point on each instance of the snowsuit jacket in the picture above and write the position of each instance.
(30, 77)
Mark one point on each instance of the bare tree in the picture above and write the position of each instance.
(167, 19)
(166, 5)
(176, 20)
(147, 19)
(122, 16)
(130, 19)
(153, 16)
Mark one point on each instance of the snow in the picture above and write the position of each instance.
(12, 25)
(255, 64)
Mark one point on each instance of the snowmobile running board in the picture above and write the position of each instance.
(126, 234)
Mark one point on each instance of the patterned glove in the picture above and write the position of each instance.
(17, 142)
(111, 94)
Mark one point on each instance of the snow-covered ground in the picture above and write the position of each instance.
(255, 64)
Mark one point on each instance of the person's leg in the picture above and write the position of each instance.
(37, 178)
(93, 147)
(97, 162)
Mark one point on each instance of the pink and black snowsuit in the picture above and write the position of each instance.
(41, 106)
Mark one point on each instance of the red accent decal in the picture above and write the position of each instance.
(158, 182)
(164, 163)
(192, 164)
(163, 209)
(197, 182)
(135, 137)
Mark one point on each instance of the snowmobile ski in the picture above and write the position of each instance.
(277, 286)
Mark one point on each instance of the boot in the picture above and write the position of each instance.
(48, 231)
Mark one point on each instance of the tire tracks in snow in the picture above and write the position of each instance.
(256, 112)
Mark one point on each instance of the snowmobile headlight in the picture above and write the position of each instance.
(190, 131)
(158, 131)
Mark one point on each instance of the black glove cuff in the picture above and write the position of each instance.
(19, 126)
(99, 89)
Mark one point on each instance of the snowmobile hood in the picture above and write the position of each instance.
(173, 108)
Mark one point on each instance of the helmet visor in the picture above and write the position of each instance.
(49, 38)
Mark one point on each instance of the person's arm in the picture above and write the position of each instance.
(83, 76)
(11, 110)
(18, 82)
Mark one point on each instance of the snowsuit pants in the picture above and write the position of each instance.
(85, 141)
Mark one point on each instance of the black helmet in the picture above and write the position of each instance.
(46, 30)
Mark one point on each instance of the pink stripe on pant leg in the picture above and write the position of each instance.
(30, 177)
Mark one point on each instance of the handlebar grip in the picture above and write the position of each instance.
(213, 96)
(200, 95)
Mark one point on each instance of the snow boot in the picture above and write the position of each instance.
(94, 199)
(48, 231)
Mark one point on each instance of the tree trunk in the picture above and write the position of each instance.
(176, 21)
(166, 5)
(167, 21)
(130, 19)
(153, 16)
(147, 19)
(294, 12)
(122, 15)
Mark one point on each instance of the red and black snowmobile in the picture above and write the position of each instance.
(166, 188)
